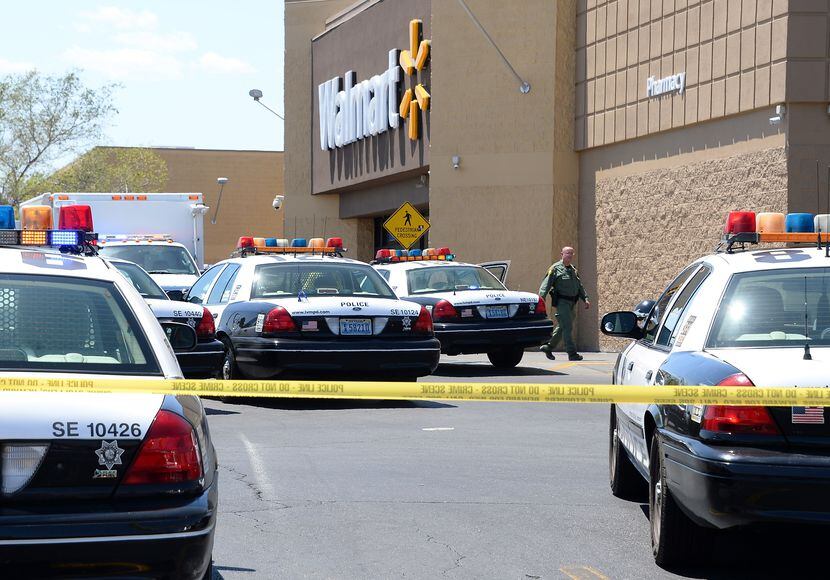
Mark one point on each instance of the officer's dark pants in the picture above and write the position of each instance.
(565, 314)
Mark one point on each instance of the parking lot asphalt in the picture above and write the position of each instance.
(391, 489)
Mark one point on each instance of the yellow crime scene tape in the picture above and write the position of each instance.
(454, 391)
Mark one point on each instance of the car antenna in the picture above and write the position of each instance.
(827, 244)
(818, 207)
(807, 355)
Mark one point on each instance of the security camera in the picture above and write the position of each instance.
(221, 180)
(277, 203)
(255, 94)
(456, 161)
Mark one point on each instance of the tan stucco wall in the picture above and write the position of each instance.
(644, 213)
(508, 199)
(733, 52)
(254, 178)
(304, 21)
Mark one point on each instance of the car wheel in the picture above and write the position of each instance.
(506, 357)
(626, 481)
(674, 537)
(229, 369)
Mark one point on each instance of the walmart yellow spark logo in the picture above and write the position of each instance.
(413, 62)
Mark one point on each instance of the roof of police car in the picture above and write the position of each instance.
(35, 260)
(770, 259)
(425, 264)
(257, 259)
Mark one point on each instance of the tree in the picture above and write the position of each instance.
(121, 169)
(43, 118)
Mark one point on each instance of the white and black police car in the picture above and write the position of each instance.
(204, 361)
(757, 317)
(473, 312)
(303, 310)
(95, 484)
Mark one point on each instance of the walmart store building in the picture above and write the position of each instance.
(646, 121)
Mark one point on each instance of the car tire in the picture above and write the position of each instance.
(626, 481)
(230, 370)
(675, 539)
(506, 357)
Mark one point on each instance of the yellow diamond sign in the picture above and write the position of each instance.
(406, 225)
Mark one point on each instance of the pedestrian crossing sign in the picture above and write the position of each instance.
(406, 225)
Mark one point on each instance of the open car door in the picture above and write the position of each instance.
(498, 269)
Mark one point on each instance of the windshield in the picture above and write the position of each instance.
(774, 308)
(155, 258)
(449, 278)
(280, 280)
(141, 280)
(57, 323)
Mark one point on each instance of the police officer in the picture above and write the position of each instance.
(565, 288)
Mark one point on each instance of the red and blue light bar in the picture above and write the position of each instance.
(37, 231)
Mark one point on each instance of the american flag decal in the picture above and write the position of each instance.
(808, 415)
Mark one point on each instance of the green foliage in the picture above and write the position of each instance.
(43, 118)
(107, 169)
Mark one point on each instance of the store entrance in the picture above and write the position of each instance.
(384, 239)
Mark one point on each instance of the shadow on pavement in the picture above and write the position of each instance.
(477, 370)
(209, 411)
(773, 552)
(291, 404)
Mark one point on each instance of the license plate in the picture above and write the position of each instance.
(356, 327)
(496, 312)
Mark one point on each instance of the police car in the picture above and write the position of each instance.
(305, 310)
(95, 484)
(168, 262)
(204, 361)
(755, 317)
(472, 311)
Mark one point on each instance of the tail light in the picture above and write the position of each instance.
(424, 323)
(278, 320)
(169, 454)
(737, 420)
(541, 307)
(443, 310)
(206, 327)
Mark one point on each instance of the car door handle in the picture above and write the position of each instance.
(648, 375)
(631, 366)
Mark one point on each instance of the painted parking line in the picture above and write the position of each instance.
(582, 363)
(582, 573)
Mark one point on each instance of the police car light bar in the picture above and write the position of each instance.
(249, 245)
(72, 241)
(388, 256)
(745, 227)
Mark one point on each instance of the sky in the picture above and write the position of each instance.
(184, 66)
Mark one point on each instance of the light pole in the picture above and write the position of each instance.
(221, 181)
(256, 95)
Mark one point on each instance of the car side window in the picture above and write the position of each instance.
(222, 289)
(198, 291)
(668, 333)
(658, 313)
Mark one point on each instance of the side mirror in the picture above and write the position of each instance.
(177, 295)
(622, 324)
(181, 336)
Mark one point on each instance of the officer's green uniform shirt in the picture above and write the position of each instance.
(564, 285)
(563, 281)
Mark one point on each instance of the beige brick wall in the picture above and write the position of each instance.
(734, 53)
(650, 224)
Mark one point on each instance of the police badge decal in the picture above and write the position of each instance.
(109, 455)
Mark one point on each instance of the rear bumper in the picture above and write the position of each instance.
(203, 362)
(724, 487)
(175, 541)
(478, 337)
(262, 357)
